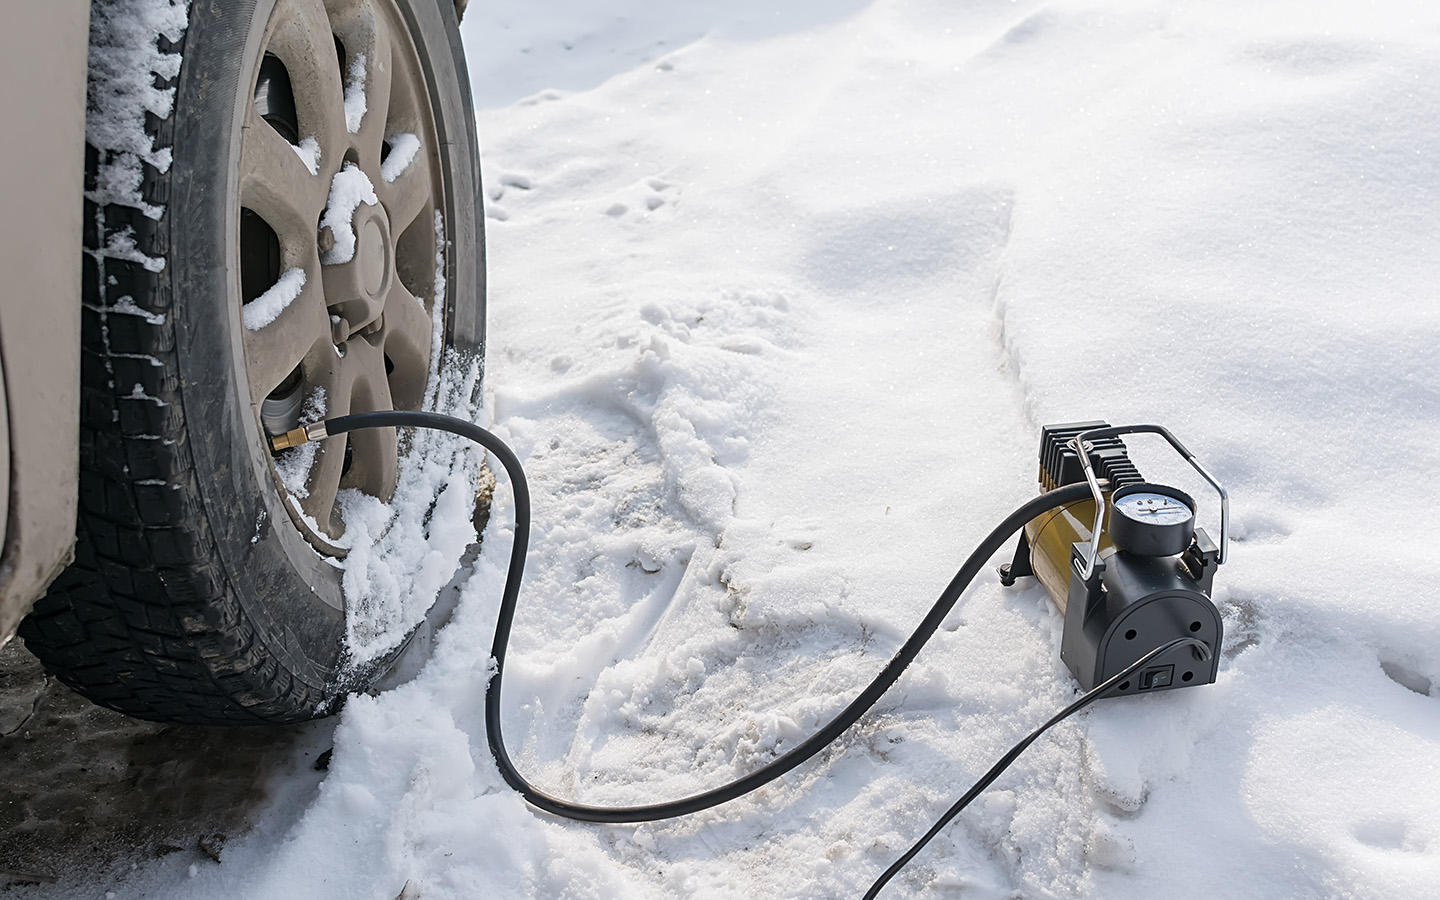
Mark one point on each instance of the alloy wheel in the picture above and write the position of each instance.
(341, 214)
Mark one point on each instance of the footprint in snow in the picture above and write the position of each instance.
(1242, 625)
(547, 96)
(500, 186)
(1386, 834)
(1407, 677)
(508, 180)
(648, 194)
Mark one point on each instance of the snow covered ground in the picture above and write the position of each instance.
(778, 304)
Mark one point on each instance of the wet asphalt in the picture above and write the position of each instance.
(87, 793)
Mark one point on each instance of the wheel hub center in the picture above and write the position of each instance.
(356, 290)
(374, 262)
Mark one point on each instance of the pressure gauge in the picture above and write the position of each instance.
(1151, 519)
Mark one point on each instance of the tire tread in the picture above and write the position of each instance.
(145, 621)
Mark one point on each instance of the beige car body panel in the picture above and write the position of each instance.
(42, 164)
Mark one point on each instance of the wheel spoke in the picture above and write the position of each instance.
(275, 183)
(410, 194)
(324, 484)
(302, 329)
(365, 33)
(408, 327)
(408, 113)
(336, 377)
(378, 75)
(301, 37)
(376, 457)
(408, 332)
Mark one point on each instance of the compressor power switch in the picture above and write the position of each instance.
(1158, 677)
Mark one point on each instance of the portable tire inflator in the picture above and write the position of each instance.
(1127, 567)
(1133, 584)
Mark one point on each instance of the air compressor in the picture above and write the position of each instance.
(1127, 567)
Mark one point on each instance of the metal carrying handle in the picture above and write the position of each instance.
(1082, 446)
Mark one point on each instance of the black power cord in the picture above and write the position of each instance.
(787, 761)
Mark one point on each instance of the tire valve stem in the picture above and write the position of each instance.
(315, 431)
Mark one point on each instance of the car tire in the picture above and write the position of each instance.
(206, 584)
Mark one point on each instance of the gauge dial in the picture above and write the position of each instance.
(1153, 508)
(1151, 519)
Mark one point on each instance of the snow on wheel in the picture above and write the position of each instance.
(310, 243)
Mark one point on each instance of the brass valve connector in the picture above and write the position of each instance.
(297, 436)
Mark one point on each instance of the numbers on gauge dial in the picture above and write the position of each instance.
(1152, 508)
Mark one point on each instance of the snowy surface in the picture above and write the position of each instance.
(130, 77)
(267, 307)
(403, 552)
(403, 148)
(348, 189)
(355, 93)
(778, 305)
(309, 152)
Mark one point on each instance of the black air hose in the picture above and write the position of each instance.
(741, 786)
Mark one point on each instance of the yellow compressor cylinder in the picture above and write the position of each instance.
(1052, 534)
